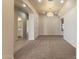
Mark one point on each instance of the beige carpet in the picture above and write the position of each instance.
(47, 47)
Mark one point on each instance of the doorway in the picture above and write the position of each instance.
(21, 18)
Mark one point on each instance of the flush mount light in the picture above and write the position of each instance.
(24, 5)
(62, 1)
(39, 0)
(19, 19)
(49, 14)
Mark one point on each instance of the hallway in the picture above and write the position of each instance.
(47, 47)
(31, 18)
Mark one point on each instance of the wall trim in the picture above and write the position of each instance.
(70, 42)
(52, 34)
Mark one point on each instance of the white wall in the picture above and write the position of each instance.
(33, 26)
(69, 12)
(70, 27)
(49, 25)
(36, 27)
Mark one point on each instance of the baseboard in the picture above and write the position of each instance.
(70, 42)
(49, 35)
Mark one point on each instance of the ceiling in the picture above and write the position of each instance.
(19, 5)
(47, 6)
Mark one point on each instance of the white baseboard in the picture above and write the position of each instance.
(70, 42)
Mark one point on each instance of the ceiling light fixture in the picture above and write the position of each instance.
(39, 0)
(24, 5)
(62, 1)
(49, 14)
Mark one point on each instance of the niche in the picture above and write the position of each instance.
(62, 24)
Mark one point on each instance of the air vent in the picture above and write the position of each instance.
(50, 0)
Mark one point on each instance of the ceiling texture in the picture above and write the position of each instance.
(47, 5)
